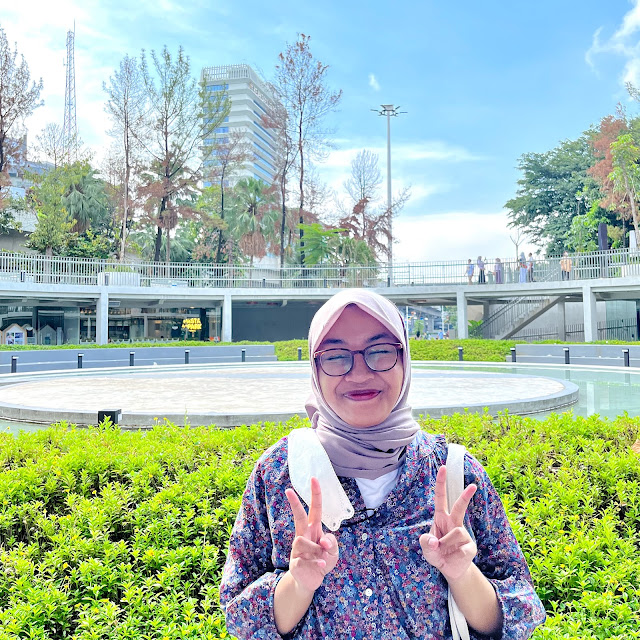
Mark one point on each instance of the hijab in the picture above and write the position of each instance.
(361, 452)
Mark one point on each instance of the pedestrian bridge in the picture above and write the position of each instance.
(42, 281)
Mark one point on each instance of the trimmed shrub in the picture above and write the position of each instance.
(116, 534)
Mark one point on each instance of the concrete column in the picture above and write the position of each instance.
(145, 326)
(590, 314)
(562, 322)
(226, 318)
(102, 318)
(463, 320)
(486, 310)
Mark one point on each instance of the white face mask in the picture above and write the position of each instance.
(307, 459)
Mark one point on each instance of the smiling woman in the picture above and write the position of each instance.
(367, 472)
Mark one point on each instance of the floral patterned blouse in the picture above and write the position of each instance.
(382, 587)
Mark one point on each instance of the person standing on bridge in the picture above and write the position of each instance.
(565, 266)
(481, 267)
(368, 472)
(469, 271)
(523, 267)
(497, 271)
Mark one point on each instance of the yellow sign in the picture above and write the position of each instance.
(192, 324)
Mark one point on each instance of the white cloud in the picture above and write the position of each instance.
(373, 82)
(454, 235)
(624, 42)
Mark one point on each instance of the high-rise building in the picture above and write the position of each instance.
(250, 98)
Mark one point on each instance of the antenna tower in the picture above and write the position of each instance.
(70, 129)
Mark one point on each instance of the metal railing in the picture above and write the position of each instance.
(86, 271)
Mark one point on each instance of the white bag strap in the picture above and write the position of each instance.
(455, 487)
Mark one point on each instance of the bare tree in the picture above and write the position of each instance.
(126, 105)
(277, 120)
(231, 151)
(365, 178)
(301, 88)
(50, 145)
(184, 114)
(19, 96)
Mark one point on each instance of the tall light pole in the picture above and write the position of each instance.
(389, 110)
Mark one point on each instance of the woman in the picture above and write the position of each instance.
(386, 571)
(497, 270)
(469, 271)
(481, 276)
(523, 267)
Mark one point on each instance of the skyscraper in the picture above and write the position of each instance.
(250, 98)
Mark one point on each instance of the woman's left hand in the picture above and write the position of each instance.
(448, 546)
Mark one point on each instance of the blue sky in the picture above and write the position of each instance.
(481, 82)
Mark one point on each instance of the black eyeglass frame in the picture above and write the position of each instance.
(398, 345)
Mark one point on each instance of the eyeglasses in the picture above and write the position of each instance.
(378, 357)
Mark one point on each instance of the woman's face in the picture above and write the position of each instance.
(362, 397)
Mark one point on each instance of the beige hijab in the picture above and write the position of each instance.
(357, 452)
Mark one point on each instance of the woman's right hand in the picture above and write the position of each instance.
(314, 553)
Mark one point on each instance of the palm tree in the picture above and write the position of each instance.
(253, 217)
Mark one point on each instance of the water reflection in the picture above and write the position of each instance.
(606, 393)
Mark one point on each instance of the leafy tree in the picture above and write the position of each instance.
(209, 225)
(625, 176)
(554, 188)
(126, 105)
(54, 225)
(19, 96)
(302, 90)
(69, 201)
(321, 243)
(254, 217)
(183, 114)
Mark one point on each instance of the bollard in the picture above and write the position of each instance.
(132, 356)
(513, 354)
(460, 355)
(187, 353)
(567, 360)
(243, 355)
(325, 283)
(114, 415)
(14, 364)
(264, 282)
(388, 281)
(625, 353)
(299, 353)
(80, 356)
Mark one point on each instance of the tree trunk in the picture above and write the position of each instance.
(167, 257)
(156, 254)
(300, 151)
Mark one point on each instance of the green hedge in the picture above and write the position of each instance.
(115, 534)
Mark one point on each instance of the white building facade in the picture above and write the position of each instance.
(250, 97)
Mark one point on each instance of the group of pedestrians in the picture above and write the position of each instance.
(497, 272)
(526, 267)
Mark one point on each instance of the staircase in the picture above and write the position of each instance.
(510, 318)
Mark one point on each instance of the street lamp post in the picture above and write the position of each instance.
(389, 110)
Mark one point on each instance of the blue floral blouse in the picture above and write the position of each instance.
(382, 587)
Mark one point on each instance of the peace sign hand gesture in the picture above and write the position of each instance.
(314, 553)
(448, 546)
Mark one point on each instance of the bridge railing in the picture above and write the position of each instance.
(85, 271)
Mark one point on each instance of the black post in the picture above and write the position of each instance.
(186, 356)
(299, 353)
(625, 353)
(513, 354)
(132, 356)
(460, 355)
(388, 281)
(80, 356)
(14, 364)
(567, 359)
(244, 355)
(264, 282)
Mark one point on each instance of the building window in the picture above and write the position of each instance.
(217, 87)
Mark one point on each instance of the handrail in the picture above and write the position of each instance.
(63, 270)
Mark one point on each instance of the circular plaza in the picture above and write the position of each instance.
(228, 395)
